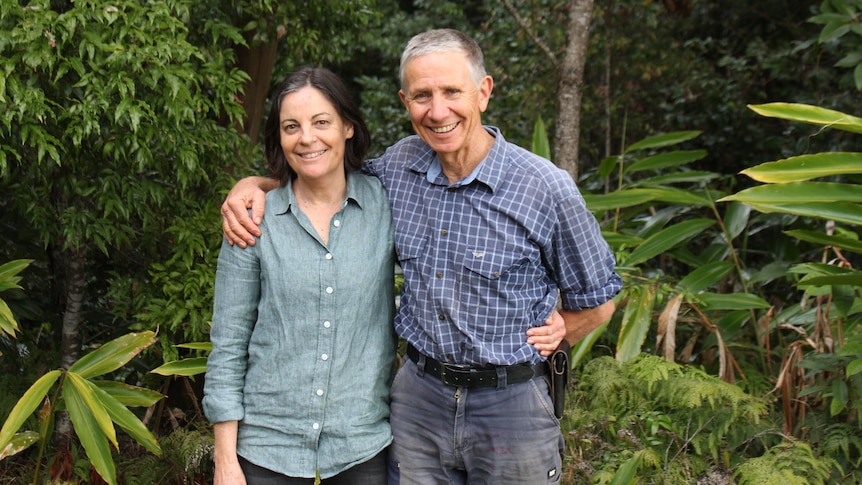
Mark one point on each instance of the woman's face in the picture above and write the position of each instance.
(313, 135)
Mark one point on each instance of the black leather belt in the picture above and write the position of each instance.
(476, 376)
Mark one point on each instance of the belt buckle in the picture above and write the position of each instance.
(454, 374)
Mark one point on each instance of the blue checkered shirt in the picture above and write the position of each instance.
(485, 258)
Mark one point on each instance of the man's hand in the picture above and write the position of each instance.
(248, 193)
(546, 339)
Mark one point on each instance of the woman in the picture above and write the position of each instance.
(303, 343)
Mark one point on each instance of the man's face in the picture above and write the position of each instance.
(444, 103)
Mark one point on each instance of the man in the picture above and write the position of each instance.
(488, 236)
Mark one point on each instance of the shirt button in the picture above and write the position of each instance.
(328, 255)
(441, 317)
(320, 392)
(336, 223)
(444, 232)
(315, 426)
(329, 290)
(324, 357)
(496, 274)
(439, 275)
(327, 324)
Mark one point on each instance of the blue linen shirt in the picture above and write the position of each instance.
(485, 258)
(303, 344)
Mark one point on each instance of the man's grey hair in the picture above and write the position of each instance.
(445, 40)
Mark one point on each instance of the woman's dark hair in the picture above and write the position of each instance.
(334, 90)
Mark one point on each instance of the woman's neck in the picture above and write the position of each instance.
(320, 193)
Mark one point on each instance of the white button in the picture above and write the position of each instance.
(329, 289)
(336, 223)
(320, 392)
(327, 324)
(315, 426)
(328, 255)
(324, 357)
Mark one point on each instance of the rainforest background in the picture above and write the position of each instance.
(714, 140)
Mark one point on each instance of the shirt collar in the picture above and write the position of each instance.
(283, 199)
(489, 171)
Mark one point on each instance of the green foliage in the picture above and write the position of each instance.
(120, 133)
(94, 406)
(840, 20)
(186, 458)
(9, 279)
(674, 413)
(790, 463)
(837, 203)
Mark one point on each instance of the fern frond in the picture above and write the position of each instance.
(790, 463)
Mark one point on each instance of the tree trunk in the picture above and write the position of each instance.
(256, 60)
(571, 85)
(73, 262)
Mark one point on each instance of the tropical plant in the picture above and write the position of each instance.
(690, 267)
(822, 369)
(94, 406)
(9, 279)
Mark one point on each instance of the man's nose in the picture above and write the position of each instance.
(439, 108)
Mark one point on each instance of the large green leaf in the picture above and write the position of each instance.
(128, 421)
(581, 349)
(8, 324)
(541, 146)
(732, 301)
(619, 199)
(667, 239)
(664, 140)
(806, 167)
(26, 405)
(12, 268)
(112, 355)
(636, 322)
(851, 279)
(129, 395)
(705, 276)
(809, 114)
(89, 432)
(627, 472)
(736, 219)
(839, 397)
(208, 346)
(681, 197)
(694, 177)
(617, 240)
(798, 193)
(666, 160)
(819, 238)
(86, 391)
(185, 367)
(838, 211)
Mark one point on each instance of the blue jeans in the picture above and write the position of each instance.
(371, 472)
(486, 435)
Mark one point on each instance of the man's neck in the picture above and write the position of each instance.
(458, 165)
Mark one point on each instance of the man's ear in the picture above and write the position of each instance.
(403, 99)
(485, 88)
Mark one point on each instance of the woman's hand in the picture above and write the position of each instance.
(227, 469)
(229, 473)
